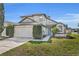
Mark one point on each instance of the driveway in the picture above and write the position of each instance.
(10, 43)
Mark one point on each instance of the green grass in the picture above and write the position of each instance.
(57, 47)
(38, 42)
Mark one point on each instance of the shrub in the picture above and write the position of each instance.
(69, 36)
(54, 30)
(72, 36)
(37, 31)
(10, 30)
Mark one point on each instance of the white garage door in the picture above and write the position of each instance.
(23, 31)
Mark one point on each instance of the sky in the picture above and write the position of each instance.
(67, 13)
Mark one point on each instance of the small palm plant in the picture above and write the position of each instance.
(54, 30)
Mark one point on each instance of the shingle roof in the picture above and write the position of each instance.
(24, 17)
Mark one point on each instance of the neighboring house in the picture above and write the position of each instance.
(25, 27)
(75, 30)
(68, 30)
(62, 30)
(6, 23)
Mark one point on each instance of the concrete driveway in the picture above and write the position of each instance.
(10, 43)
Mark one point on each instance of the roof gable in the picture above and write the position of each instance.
(27, 20)
(36, 18)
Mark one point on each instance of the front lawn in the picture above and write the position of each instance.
(58, 47)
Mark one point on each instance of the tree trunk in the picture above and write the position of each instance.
(1, 18)
(53, 34)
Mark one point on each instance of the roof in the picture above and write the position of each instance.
(19, 24)
(33, 15)
(27, 18)
(63, 24)
(24, 17)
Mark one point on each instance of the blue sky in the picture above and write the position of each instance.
(65, 13)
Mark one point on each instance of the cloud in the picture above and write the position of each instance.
(70, 19)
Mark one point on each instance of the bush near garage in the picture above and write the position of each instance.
(10, 30)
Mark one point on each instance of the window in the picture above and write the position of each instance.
(41, 19)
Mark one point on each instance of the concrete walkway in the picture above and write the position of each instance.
(10, 43)
(44, 39)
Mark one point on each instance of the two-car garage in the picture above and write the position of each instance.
(23, 31)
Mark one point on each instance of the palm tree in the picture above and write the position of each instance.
(1, 17)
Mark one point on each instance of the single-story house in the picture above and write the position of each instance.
(25, 27)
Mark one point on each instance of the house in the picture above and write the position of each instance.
(75, 30)
(6, 23)
(69, 30)
(25, 27)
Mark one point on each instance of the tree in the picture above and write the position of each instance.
(78, 24)
(10, 30)
(54, 30)
(1, 18)
(78, 28)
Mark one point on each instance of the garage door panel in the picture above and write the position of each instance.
(23, 31)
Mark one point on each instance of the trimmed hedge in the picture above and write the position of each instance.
(10, 30)
(37, 31)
